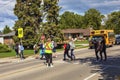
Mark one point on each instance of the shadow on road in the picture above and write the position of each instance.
(109, 70)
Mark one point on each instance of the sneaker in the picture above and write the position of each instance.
(64, 59)
(51, 65)
(47, 65)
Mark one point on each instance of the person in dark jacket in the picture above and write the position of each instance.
(103, 50)
(16, 49)
(96, 45)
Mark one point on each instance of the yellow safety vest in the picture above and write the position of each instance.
(48, 48)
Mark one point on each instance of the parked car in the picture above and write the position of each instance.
(117, 41)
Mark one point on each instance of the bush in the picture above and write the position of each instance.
(4, 48)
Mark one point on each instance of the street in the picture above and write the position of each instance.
(84, 67)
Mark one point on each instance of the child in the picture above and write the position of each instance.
(66, 47)
(42, 50)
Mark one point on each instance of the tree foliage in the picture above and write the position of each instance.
(92, 19)
(51, 27)
(70, 20)
(6, 30)
(29, 18)
(113, 22)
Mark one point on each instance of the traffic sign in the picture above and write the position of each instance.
(20, 32)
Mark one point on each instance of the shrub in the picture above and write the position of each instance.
(4, 48)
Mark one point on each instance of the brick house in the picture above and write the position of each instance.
(76, 33)
(7, 38)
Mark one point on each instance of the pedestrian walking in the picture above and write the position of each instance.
(97, 48)
(66, 47)
(35, 47)
(21, 51)
(54, 49)
(16, 49)
(72, 47)
(48, 53)
(42, 50)
(103, 50)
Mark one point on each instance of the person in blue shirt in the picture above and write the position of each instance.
(42, 50)
(21, 51)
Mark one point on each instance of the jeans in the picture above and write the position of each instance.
(72, 54)
(66, 52)
(21, 55)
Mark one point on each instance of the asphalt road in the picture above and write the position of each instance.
(84, 67)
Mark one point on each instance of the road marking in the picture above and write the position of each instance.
(87, 78)
(90, 76)
(60, 61)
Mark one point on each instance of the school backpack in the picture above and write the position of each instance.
(16, 47)
(41, 46)
(68, 46)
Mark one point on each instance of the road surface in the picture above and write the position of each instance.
(85, 67)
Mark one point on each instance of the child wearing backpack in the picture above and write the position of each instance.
(42, 50)
(66, 47)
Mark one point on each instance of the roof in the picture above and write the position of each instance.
(86, 32)
(8, 34)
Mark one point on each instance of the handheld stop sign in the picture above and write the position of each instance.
(20, 32)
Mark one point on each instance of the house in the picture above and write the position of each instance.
(76, 33)
(7, 38)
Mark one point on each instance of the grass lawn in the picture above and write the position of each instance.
(12, 53)
(81, 42)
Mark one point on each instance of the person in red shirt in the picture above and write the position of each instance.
(66, 47)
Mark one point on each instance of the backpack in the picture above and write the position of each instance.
(16, 47)
(41, 46)
(68, 46)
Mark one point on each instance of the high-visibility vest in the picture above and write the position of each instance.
(48, 48)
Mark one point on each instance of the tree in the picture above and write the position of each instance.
(92, 19)
(6, 30)
(70, 20)
(113, 22)
(51, 27)
(29, 18)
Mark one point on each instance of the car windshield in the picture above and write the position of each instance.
(118, 37)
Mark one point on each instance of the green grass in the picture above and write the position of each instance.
(81, 42)
(80, 46)
(12, 53)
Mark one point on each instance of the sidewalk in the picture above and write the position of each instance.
(14, 59)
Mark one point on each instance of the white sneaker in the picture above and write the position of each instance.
(51, 65)
(47, 65)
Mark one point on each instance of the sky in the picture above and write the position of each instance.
(7, 16)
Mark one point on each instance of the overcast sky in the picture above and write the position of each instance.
(7, 16)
